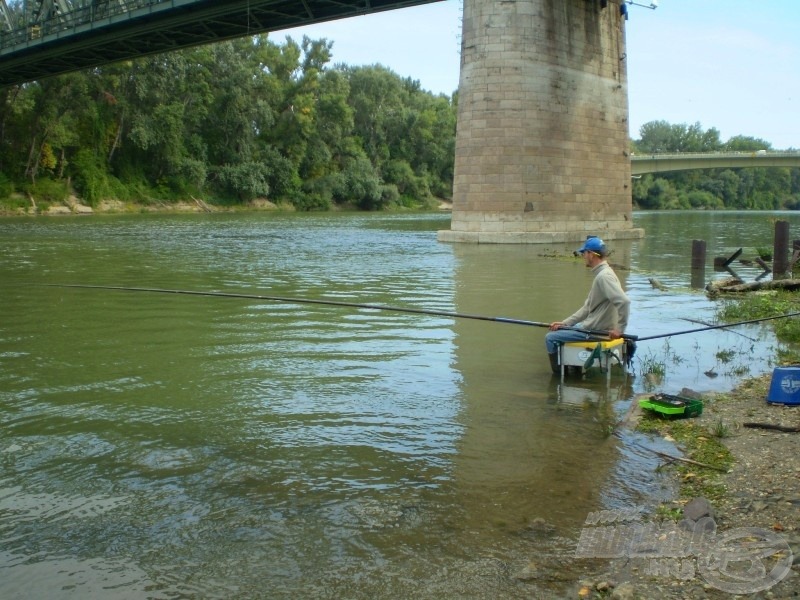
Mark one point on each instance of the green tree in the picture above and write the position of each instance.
(56, 105)
(655, 193)
(662, 137)
(741, 188)
(741, 143)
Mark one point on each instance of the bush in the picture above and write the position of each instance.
(703, 199)
(48, 191)
(6, 186)
(792, 202)
(244, 180)
(91, 179)
(441, 189)
(318, 194)
(136, 190)
(362, 185)
(310, 201)
(282, 176)
(410, 185)
(192, 175)
(389, 194)
(15, 203)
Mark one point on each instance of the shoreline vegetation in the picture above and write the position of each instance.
(247, 119)
(75, 206)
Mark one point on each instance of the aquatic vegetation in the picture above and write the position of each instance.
(652, 368)
(757, 306)
(725, 356)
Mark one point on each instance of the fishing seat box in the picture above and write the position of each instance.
(576, 354)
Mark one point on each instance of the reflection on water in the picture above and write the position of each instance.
(522, 457)
(161, 446)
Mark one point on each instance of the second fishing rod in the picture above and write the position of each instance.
(404, 309)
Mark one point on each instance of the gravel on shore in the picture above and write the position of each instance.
(758, 509)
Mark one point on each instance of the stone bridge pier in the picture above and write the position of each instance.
(542, 150)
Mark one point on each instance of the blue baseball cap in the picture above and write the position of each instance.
(593, 244)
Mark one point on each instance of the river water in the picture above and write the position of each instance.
(172, 446)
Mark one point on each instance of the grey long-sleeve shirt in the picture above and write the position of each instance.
(607, 306)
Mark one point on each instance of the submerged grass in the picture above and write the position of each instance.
(758, 305)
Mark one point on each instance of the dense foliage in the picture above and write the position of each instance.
(230, 122)
(768, 188)
(250, 118)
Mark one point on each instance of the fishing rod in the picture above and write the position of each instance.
(722, 326)
(421, 311)
(403, 309)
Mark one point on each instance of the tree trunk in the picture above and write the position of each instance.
(33, 161)
(117, 137)
(62, 164)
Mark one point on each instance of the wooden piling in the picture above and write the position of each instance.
(780, 258)
(698, 263)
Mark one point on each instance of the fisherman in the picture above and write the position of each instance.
(606, 308)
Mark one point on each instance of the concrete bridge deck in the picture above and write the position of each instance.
(663, 163)
(41, 38)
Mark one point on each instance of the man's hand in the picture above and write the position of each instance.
(555, 325)
(614, 334)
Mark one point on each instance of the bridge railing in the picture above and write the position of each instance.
(695, 155)
(23, 21)
(662, 163)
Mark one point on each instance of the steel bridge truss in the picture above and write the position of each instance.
(40, 38)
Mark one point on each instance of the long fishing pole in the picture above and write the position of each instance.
(421, 311)
(722, 326)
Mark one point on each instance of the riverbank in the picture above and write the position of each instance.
(74, 206)
(759, 491)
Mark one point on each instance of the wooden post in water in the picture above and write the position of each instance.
(698, 263)
(780, 251)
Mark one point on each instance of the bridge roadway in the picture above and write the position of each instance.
(40, 38)
(662, 163)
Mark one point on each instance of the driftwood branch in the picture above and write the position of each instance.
(684, 460)
(771, 426)
(734, 288)
(203, 206)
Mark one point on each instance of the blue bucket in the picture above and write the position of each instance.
(785, 386)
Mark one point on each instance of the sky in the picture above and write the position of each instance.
(733, 65)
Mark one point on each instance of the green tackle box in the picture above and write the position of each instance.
(675, 407)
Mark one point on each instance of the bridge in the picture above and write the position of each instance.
(542, 145)
(662, 163)
(40, 38)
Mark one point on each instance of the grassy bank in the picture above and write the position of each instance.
(699, 440)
